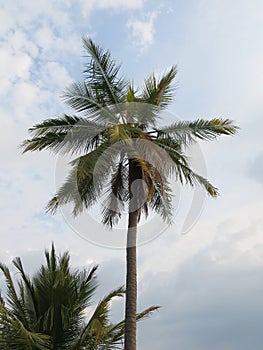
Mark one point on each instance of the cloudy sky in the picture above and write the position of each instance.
(207, 274)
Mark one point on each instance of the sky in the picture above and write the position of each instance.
(206, 271)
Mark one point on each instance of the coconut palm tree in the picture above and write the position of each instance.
(121, 153)
(49, 311)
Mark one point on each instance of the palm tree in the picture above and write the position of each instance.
(121, 153)
(49, 310)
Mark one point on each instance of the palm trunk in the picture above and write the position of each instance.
(131, 272)
(131, 285)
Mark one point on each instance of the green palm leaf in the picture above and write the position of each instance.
(15, 336)
(12, 297)
(159, 93)
(117, 196)
(114, 335)
(181, 168)
(187, 132)
(86, 179)
(101, 74)
(82, 98)
(68, 134)
(90, 103)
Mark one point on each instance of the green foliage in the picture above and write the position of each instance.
(116, 122)
(48, 311)
(159, 93)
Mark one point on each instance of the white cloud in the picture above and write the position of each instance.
(92, 5)
(44, 37)
(13, 65)
(124, 4)
(54, 69)
(142, 31)
(6, 21)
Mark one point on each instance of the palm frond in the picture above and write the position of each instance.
(52, 141)
(51, 258)
(161, 200)
(30, 295)
(131, 93)
(149, 152)
(68, 134)
(192, 178)
(157, 194)
(95, 332)
(12, 298)
(63, 295)
(102, 74)
(169, 145)
(86, 179)
(101, 312)
(181, 167)
(15, 336)
(115, 332)
(82, 98)
(159, 93)
(18, 264)
(154, 165)
(90, 103)
(60, 124)
(117, 196)
(187, 132)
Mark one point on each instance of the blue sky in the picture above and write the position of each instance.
(209, 281)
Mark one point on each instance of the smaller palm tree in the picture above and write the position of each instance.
(49, 311)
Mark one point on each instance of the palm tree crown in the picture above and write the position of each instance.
(115, 123)
(49, 310)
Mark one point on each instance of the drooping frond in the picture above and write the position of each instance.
(160, 93)
(86, 180)
(192, 178)
(152, 165)
(161, 199)
(181, 167)
(167, 143)
(152, 190)
(187, 132)
(118, 195)
(102, 74)
(150, 153)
